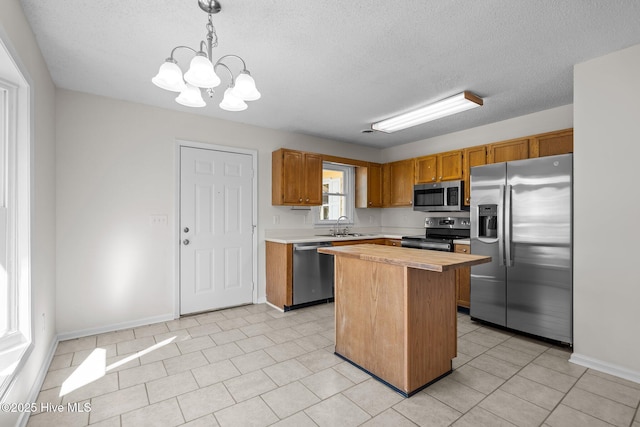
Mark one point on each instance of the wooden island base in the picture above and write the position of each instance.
(395, 319)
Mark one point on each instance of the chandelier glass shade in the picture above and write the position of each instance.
(232, 102)
(169, 77)
(191, 96)
(202, 75)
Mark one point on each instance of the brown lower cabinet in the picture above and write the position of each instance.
(359, 242)
(279, 271)
(279, 259)
(463, 279)
(279, 268)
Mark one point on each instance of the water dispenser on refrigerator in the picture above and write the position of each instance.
(487, 220)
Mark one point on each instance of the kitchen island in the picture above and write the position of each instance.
(395, 311)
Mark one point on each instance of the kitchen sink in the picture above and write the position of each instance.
(345, 235)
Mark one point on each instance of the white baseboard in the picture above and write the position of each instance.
(37, 384)
(115, 327)
(607, 368)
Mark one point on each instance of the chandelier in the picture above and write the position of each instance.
(202, 73)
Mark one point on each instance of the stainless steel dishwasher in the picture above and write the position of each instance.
(312, 273)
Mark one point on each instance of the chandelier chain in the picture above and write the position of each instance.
(212, 36)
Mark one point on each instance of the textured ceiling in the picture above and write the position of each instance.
(331, 68)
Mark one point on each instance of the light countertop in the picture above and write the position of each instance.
(328, 238)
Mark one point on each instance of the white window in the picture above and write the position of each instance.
(15, 214)
(5, 319)
(338, 198)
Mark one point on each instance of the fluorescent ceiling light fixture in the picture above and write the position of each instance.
(445, 107)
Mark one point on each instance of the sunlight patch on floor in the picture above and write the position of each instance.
(95, 367)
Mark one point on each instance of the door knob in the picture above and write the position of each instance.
(186, 229)
(185, 241)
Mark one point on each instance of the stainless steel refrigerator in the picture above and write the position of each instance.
(521, 216)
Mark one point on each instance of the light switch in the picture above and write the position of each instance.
(158, 220)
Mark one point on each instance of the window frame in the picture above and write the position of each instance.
(16, 342)
(348, 194)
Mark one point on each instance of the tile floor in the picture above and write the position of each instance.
(256, 366)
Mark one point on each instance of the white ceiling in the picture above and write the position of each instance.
(331, 68)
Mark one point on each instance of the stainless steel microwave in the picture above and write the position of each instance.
(444, 196)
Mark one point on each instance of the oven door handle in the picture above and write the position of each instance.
(443, 247)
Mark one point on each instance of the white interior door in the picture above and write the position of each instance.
(216, 230)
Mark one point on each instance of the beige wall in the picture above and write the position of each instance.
(606, 281)
(531, 124)
(517, 127)
(115, 168)
(16, 34)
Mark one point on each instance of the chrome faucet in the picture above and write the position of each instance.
(335, 229)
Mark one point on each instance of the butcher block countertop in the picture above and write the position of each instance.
(416, 258)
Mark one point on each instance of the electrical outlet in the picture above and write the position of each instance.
(158, 220)
(276, 219)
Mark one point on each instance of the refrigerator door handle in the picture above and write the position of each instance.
(500, 234)
(507, 226)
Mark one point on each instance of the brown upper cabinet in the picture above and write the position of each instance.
(450, 165)
(426, 169)
(398, 178)
(297, 175)
(296, 178)
(369, 186)
(473, 156)
(507, 151)
(439, 167)
(552, 143)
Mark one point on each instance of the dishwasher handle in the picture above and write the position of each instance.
(312, 247)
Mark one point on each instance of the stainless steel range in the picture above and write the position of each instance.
(440, 232)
